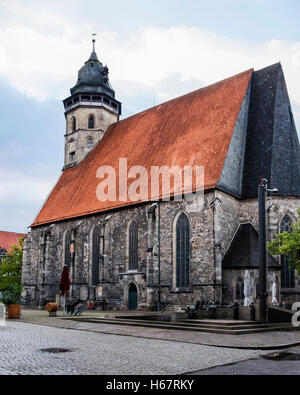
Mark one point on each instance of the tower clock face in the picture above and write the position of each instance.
(72, 147)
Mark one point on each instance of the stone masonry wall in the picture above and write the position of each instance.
(102, 118)
(234, 212)
(212, 229)
(44, 257)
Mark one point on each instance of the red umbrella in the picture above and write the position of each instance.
(65, 282)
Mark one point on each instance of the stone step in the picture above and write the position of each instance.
(221, 322)
(227, 327)
(191, 323)
(173, 326)
(218, 324)
(156, 324)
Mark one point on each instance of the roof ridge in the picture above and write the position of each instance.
(16, 233)
(272, 66)
(183, 96)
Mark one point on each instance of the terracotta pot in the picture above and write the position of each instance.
(13, 311)
(51, 307)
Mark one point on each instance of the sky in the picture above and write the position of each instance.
(155, 50)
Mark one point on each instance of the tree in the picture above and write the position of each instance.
(288, 243)
(11, 276)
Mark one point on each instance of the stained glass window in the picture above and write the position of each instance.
(182, 252)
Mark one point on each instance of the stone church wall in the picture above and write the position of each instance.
(44, 257)
(212, 229)
(234, 212)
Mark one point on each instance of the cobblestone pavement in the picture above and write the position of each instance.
(272, 340)
(98, 353)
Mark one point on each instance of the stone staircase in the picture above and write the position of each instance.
(225, 327)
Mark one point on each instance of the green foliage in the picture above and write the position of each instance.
(11, 276)
(288, 244)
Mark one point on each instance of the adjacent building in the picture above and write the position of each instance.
(8, 240)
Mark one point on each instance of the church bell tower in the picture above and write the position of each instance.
(89, 111)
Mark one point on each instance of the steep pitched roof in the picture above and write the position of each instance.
(265, 141)
(243, 251)
(8, 239)
(195, 129)
(272, 144)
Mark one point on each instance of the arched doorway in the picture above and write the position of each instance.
(132, 297)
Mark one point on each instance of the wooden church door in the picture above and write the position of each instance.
(132, 299)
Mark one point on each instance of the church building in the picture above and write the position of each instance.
(126, 254)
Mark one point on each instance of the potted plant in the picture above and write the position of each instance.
(11, 281)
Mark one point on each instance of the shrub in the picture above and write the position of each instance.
(11, 276)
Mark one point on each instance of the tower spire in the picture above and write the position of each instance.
(94, 40)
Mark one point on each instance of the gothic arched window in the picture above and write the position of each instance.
(91, 122)
(133, 246)
(287, 274)
(98, 257)
(182, 252)
(67, 249)
(73, 124)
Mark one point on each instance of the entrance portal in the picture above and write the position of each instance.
(132, 297)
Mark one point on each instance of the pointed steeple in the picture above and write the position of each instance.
(93, 77)
(93, 54)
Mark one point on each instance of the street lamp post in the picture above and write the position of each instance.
(262, 192)
(154, 207)
(159, 285)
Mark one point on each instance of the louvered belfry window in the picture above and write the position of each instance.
(91, 122)
(287, 274)
(133, 246)
(73, 124)
(182, 252)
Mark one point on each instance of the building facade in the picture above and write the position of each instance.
(129, 254)
(8, 240)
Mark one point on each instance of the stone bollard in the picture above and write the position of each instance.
(236, 311)
(213, 312)
(2, 314)
(252, 312)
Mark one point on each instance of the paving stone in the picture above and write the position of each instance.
(99, 353)
(268, 340)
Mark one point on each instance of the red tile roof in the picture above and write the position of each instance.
(9, 239)
(195, 129)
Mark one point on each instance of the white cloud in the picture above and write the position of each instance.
(21, 194)
(41, 53)
(37, 60)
